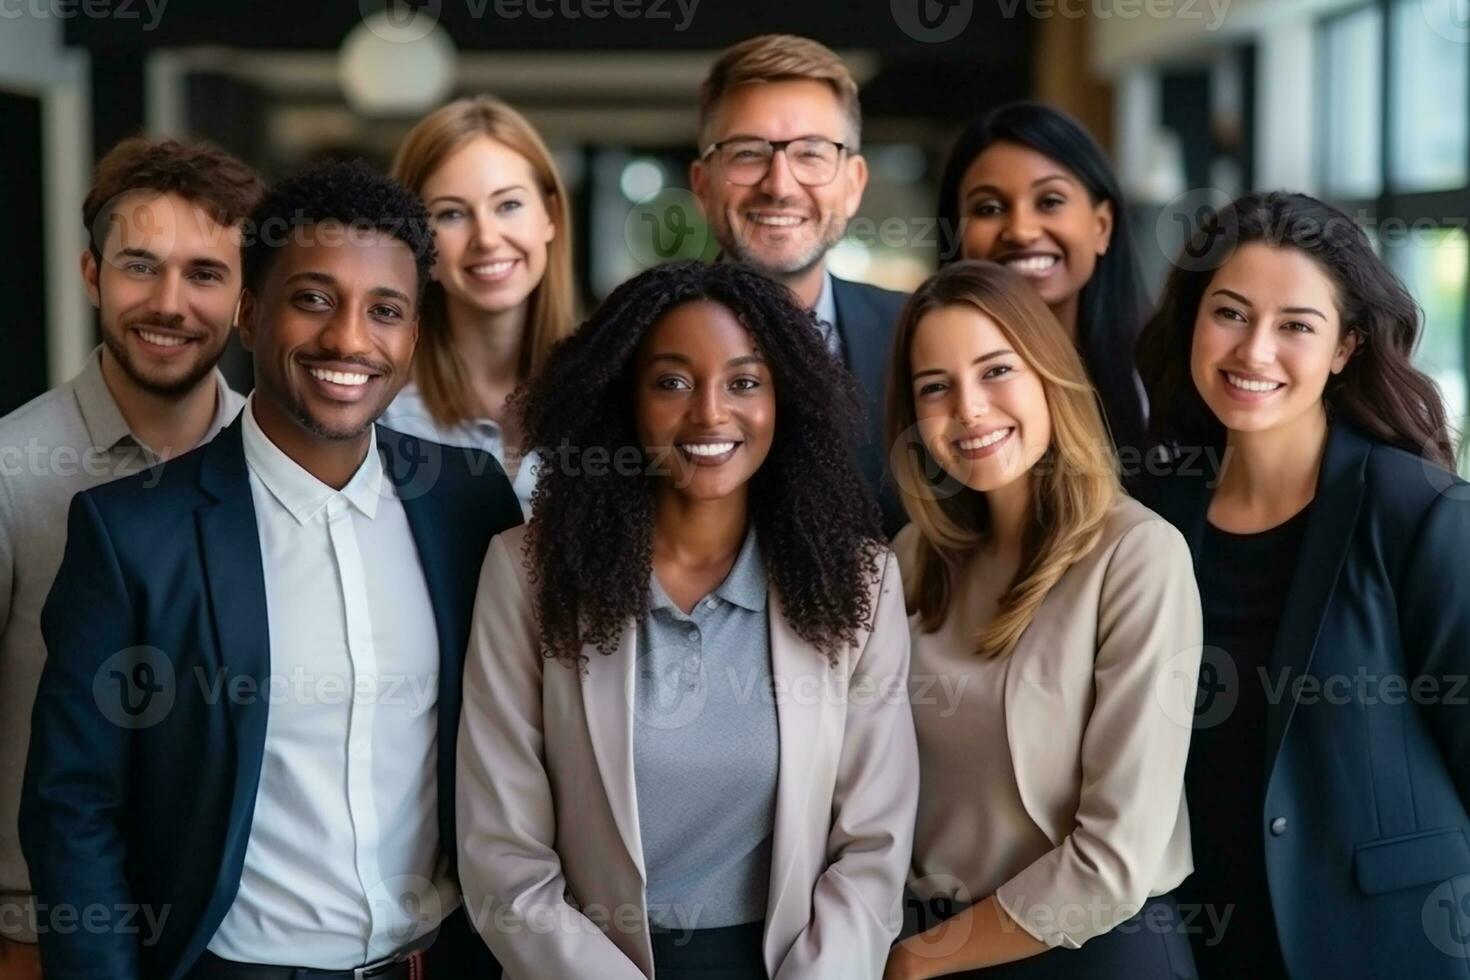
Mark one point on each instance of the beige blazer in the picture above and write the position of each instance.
(1098, 700)
(550, 856)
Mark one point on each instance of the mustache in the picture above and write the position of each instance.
(154, 320)
(377, 367)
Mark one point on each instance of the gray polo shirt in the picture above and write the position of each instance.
(72, 438)
(706, 750)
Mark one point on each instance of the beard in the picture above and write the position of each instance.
(749, 253)
(170, 386)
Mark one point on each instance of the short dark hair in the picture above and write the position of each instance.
(350, 193)
(224, 187)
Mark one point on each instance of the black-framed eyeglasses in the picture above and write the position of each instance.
(746, 160)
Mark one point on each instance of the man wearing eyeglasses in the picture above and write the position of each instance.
(779, 176)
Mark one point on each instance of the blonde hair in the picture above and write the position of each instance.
(780, 58)
(1073, 485)
(440, 372)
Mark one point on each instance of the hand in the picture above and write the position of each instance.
(19, 961)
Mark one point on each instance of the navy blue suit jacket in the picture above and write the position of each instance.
(147, 732)
(1366, 832)
(866, 318)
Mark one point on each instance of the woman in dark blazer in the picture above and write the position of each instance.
(1311, 472)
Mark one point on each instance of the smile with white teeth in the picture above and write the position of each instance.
(492, 268)
(707, 448)
(1246, 384)
(162, 339)
(350, 378)
(1032, 265)
(989, 439)
(777, 220)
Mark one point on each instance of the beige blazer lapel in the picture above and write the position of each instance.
(607, 700)
(1048, 694)
(806, 690)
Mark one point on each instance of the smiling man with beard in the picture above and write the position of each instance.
(250, 705)
(779, 175)
(163, 270)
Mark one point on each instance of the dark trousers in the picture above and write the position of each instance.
(1152, 945)
(456, 954)
(731, 953)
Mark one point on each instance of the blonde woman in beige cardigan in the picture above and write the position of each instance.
(1065, 617)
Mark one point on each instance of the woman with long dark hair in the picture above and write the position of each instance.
(1027, 186)
(658, 755)
(1329, 774)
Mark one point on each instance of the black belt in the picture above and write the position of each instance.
(403, 965)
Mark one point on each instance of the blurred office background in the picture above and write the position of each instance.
(1364, 102)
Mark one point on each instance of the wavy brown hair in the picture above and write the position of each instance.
(1073, 486)
(441, 374)
(1379, 391)
(590, 539)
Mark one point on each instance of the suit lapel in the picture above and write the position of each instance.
(864, 347)
(235, 581)
(607, 700)
(797, 671)
(1324, 547)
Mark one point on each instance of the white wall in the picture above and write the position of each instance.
(33, 61)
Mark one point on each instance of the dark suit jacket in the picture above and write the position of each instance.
(866, 317)
(1367, 783)
(142, 794)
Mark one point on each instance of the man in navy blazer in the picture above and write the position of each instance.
(779, 175)
(242, 753)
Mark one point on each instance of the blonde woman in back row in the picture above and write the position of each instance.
(502, 292)
(1065, 617)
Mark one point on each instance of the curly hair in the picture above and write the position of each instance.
(590, 540)
(352, 194)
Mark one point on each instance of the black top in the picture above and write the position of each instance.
(1244, 580)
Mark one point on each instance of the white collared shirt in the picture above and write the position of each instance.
(344, 864)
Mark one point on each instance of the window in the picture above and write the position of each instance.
(1352, 80)
(1429, 90)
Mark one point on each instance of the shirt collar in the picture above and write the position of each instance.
(105, 424)
(302, 494)
(745, 585)
(826, 305)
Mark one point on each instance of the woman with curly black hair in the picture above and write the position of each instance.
(687, 744)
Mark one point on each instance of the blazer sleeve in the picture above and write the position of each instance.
(76, 781)
(508, 866)
(1434, 624)
(1134, 747)
(857, 901)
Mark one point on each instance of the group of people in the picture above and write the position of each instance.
(765, 625)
